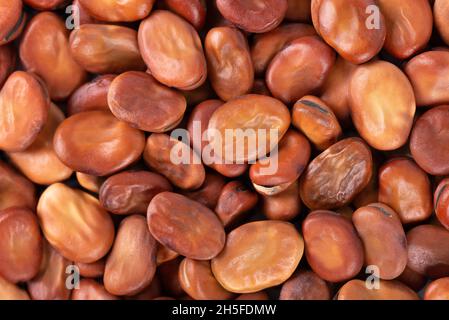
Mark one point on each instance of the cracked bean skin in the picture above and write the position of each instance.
(389, 290)
(118, 11)
(209, 192)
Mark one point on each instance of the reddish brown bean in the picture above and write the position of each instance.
(15, 190)
(441, 14)
(441, 202)
(284, 206)
(388, 290)
(91, 290)
(260, 87)
(209, 192)
(149, 293)
(185, 226)
(12, 20)
(169, 276)
(437, 290)
(412, 279)
(84, 16)
(305, 285)
(9, 291)
(298, 10)
(193, 11)
(96, 143)
(164, 254)
(92, 270)
(88, 182)
(45, 4)
(7, 63)
(117, 11)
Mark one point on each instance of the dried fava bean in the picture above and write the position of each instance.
(75, 224)
(84, 16)
(96, 143)
(441, 14)
(284, 206)
(234, 202)
(24, 105)
(305, 285)
(12, 20)
(429, 141)
(370, 194)
(149, 293)
(130, 192)
(230, 66)
(118, 11)
(9, 291)
(106, 48)
(333, 248)
(209, 192)
(441, 202)
(131, 265)
(298, 10)
(42, 154)
(412, 279)
(428, 74)
(172, 50)
(88, 182)
(278, 171)
(168, 274)
(275, 248)
(164, 254)
(337, 175)
(376, 87)
(44, 50)
(262, 114)
(50, 283)
(15, 190)
(388, 290)
(165, 155)
(7, 62)
(185, 226)
(91, 290)
(406, 188)
(197, 95)
(437, 290)
(193, 11)
(427, 251)
(92, 270)
(350, 28)
(45, 4)
(409, 26)
(198, 282)
(299, 69)
(253, 15)
(317, 121)
(267, 45)
(92, 95)
(383, 238)
(138, 99)
(20, 245)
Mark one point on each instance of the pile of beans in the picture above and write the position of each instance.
(92, 205)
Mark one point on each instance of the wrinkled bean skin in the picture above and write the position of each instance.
(437, 290)
(336, 176)
(44, 50)
(138, 99)
(429, 141)
(92, 270)
(20, 245)
(267, 45)
(185, 226)
(91, 290)
(88, 182)
(158, 156)
(389, 290)
(90, 96)
(428, 75)
(209, 193)
(283, 206)
(130, 192)
(253, 15)
(441, 202)
(75, 224)
(118, 11)
(441, 12)
(45, 4)
(172, 50)
(234, 202)
(299, 69)
(193, 11)
(12, 20)
(317, 121)
(298, 10)
(305, 285)
(276, 250)
(15, 190)
(406, 188)
(9, 291)
(131, 265)
(198, 282)
(383, 238)
(374, 89)
(343, 25)
(106, 49)
(102, 145)
(18, 126)
(229, 62)
(7, 62)
(333, 248)
(427, 251)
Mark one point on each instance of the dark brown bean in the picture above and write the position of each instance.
(305, 285)
(298, 10)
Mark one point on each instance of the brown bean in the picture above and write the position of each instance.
(406, 188)
(75, 224)
(412, 279)
(138, 99)
(165, 254)
(441, 202)
(118, 11)
(333, 249)
(160, 153)
(440, 13)
(45, 4)
(383, 238)
(350, 27)
(92, 270)
(209, 193)
(172, 50)
(299, 69)
(370, 194)
(437, 290)
(168, 274)
(84, 16)
(130, 192)
(337, 175)
(374, 88)
(44, 50)
(9, 291)
(276, 249)
(185, 226)
(20, 245)
(253, 15)
(131, 265)
(198, 95)
(12, 20)
(284, 206)
(305, 285)
(18, 126)
(198, 282)
(429, 141)
(317, 121)
(388, 290)
(91, 290)
(193, 11)
(15, 190)
(96, 143)
(261, 295)
(149, 293)
(88, 182)
(7, 62)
